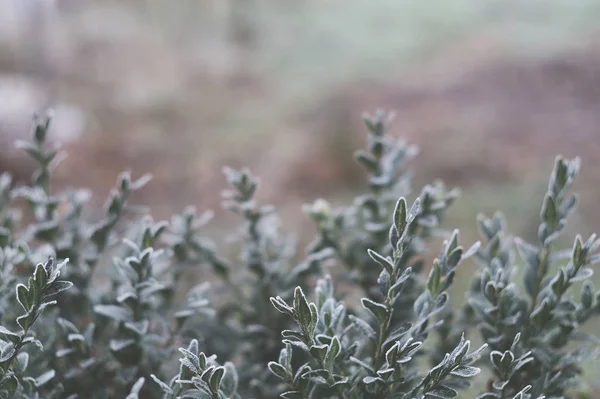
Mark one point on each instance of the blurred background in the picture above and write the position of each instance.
(490, 90)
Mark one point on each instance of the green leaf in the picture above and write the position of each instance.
(293, 335)
(410, 348)
(23, 297)
(196, 366)
(485, 226)
(377, 309)
(422, 303)
(12, 336)
(414, 211)
(302, 309)
(471, 251)
(528, 252)
(141, 182)
(332, 352)
(137, 387)
(568, 206)
(559, 174)
(460, 351)
(278, 370)
(587, 295)
(506, 360)
(22, 361)
(166, 389)
(442, 391)
(398, 332)
(465, 371)
(314, 317)
(368, 380)
(8, 352)
(549, 212)
(40, 277)
(33, 151)
(361, 364)
(393, 236)
(489, 291)
(292, 395)
(117, 345)
(281, 306)
(583, 274)
(230, 381)
(367, 161)
(139, 327)
(215, 378)
(10, 382)
(557, 284)
(363, 327)
(36, 342)
(433, 282)
(56, 287)
(220, 267)
(35, 294)
(382, 261)
(385, 374)
(188, 363)
(53, 269)
(454, 257)
(529, 279)
(285, 357)
(319, 351)
(27, 319)
(44, 378)
(5, 235)
(114, 312)
(403, 277)
(400, 216)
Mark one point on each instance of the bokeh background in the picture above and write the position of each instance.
(490, 90)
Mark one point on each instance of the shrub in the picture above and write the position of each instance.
(270, 323)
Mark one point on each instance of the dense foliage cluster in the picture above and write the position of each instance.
(270, 322)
